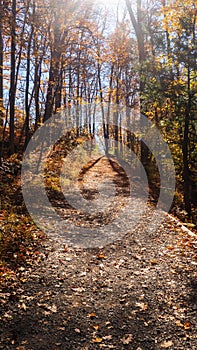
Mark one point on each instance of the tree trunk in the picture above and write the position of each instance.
(1, 65)
(137, 25)
(168, 45)
(37, 79)
(185, 151)
(12, 76)
(27, 104)
(105, 134)
(49, 98)
(58, 94)
(53, 83)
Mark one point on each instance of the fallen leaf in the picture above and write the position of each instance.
(107, 337)
(23, 280)
(77, 330)
(188, 224)
(127, 339)
(52, 308)
(66, 249)
(92, 315)
(187, 325)
(77, 289)
(154, 262)
(97, 340)
(137, 256)
(178, 323)
(167, 344)
(23, 306)
(142, 306)
(170, 247)
(100, 256)
(96, 327)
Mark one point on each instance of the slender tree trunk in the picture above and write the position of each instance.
(58, 94)
(49, 98)
(27, 104)
(1, 81)
(106, 136)
(116, 113)
(168, 45)
(185, 151)
(12, 76)
(110, 99)
(1, 64)
(37, 79)
(78, 126)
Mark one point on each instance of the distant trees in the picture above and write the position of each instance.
(58, 54)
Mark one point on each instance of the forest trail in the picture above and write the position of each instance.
(93, 187)
(138, 292)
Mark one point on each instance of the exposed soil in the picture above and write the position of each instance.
(138, 292)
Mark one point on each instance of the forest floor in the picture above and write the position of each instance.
(138, 292)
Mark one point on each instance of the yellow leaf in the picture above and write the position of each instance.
(96, 327)
(97, 340)
(23, 280)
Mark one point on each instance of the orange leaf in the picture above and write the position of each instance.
(96, 327)
(169, 247)
(153, 262)
(100, 256)
(97, 340)
(187, 325)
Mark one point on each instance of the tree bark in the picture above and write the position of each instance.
(53, 83)
(12, 76)
(137, 25)
(1, 65)
(185, 151)
(27, 103)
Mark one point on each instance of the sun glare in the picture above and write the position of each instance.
(109, 3)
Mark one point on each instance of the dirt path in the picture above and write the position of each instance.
(138, 292)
